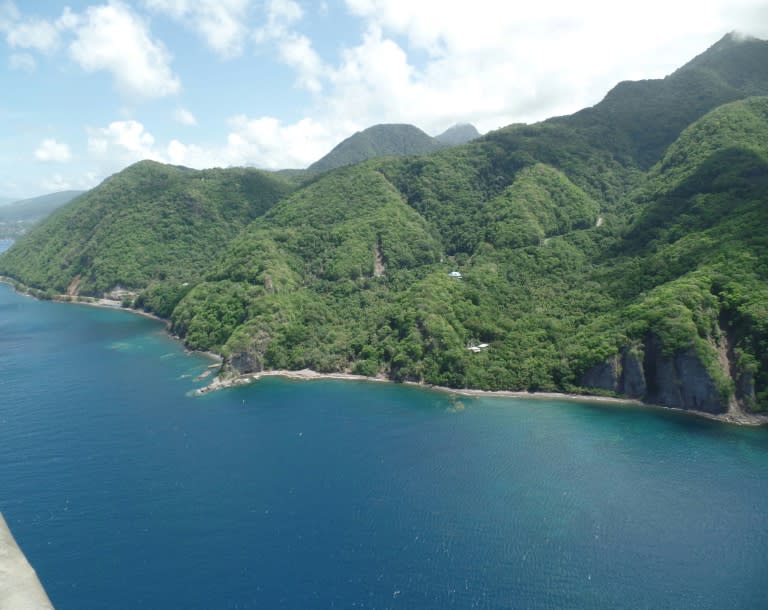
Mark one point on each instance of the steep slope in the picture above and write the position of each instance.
(149, 222)
(458, 134)
(699, 264)
(294, 267)
(17, 217)
(562, 300)
(636, 121)
(602, 252)
(377, 141)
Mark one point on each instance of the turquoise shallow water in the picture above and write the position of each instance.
(125, 492)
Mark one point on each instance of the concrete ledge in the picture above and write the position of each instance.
(19, 587)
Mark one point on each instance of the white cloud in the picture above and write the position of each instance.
(296, 51)
(122, 141)
(184, 116)
(222, 23)
(293, 49)
(502, 62)
(51, 150)
(113, 38)
(264, 142)
(22, 61)
(35, 34)
(281, 15)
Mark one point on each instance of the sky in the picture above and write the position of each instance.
(91, 86)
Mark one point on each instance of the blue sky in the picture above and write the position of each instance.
(90, 86)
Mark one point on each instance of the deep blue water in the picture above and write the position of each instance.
(127, 493)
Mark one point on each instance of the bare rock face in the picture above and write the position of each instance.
(246, 362)
(681, 381)
(250, 360)
(633, 375)
(605, 375)
(622, 373)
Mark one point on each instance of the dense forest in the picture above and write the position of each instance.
(620, 250)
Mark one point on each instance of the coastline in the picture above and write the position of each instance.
(218, 383)
(104, 303)
(738, 418)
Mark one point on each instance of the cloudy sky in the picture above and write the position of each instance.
(89, 87)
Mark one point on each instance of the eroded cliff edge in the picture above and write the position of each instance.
(705, 378)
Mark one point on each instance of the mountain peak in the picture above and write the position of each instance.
(461, 133)
(383, 140)
(735, 59)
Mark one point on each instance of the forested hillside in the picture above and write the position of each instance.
(378, 141)
(151, 222)
(620, 250)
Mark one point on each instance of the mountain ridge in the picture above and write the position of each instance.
(390, 140)
(16, 217)
(611, 251)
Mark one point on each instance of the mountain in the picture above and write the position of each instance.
(458, 134)
(149, 223)
(377, 141)
(636, 121)
(618, 250)
(16, 217)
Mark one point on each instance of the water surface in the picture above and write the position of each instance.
(126, 492)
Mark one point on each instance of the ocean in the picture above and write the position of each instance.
(126, 492)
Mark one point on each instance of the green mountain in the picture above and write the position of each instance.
(458, 134)
(377, 141)
(619, 250)
(638, 120)
(149, 223)
(17, 217)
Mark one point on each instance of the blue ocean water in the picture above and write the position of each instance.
(125, 492)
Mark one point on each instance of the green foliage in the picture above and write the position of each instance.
(378, 141)
(151, 222)
(577, 239)
(541, 202)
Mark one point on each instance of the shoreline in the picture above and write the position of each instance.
(752, 420)
(217, 383)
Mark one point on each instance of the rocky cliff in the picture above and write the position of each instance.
(681, 380)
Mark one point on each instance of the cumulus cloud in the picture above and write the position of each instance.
(185, 117)
(281, 16)
(428, 63)
(109, 37)
(51, 150)
(293, 48)
(35, 34)
(263, 142)
(114, 39)
(297, 52)
(122, 141)
(222, 23)
(267, 142)
(503, 62)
